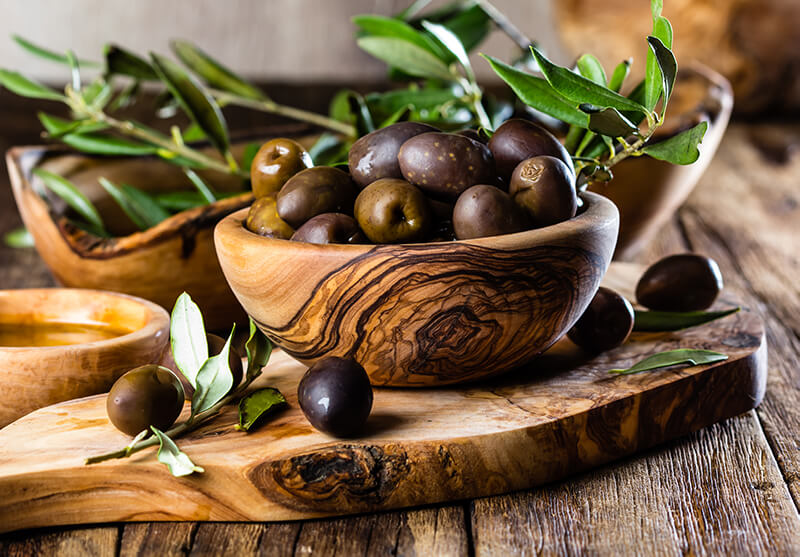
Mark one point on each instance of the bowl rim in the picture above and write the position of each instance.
(157, 319)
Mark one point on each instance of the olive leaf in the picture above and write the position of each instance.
(126, 96)
(212, 72)
(539, 94)
(654, 82)
(72, 196)
(24, 87)
(177, 461)
(250, 152)
(453, 45)
(608, 121)
(470, 25)
(195, 101)
(187, 336)
(258, 348)
(620, 73)
(194, 133)
(349, 106)
(98, 93)
(97, 144)
(201, 186)
(418, 99)
(667, 68)
(413, 59)
(590, 68)
(683, 356)
(124, 62)
(329, 150)
(143, 211)
(57, 127)
(258, 405)
(177, 201)
(47, 54)
(380, 26)
(657, 321)
(680, 148)
(214, 379)
(18, 238)
(75, 70)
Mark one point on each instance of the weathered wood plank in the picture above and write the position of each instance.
(157, 538)
(75, 542)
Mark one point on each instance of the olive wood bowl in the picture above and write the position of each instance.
(422, 314)
(37, 376)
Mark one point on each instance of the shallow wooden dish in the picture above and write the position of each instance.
(422, 314)
(37, 376)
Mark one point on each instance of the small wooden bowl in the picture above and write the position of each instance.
(422, 314)
(37, 376)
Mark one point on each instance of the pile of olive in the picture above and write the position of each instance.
(409, 182)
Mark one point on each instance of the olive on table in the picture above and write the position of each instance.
(313, 191)
(330, 228)
(146, 396)
(275, 162)
(445, 164)
(374, 156)
(486, 211)
(516, 140)
(544, 188)
(392, 211)
(606, 323)
(336, 397)
(263, 219)
(682, 282)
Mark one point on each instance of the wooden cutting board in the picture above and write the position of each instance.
(560, 415)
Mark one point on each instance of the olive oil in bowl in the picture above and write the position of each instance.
(18, 335)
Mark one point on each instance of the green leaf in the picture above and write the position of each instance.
(250, 152)
(24, 87)
(590, 68)
(657, 321)
(72, 196)
(126, 97)
(453, 45)
(350, 107)
(418, 99)
(655, 8)
(177, 461)
(608, 121)
(47, 54)
(654, 81)
(539, 94)
(202, 188)
(212, 72)
(198, 104)
(620, 74)
(18, 238)
(581, 90)
(683, 356)
(98, 93)
(97, 144)
(257, 405)
(177, 201)
(413, 59)
(214, 380)
(471, 26)
(258, 348)
(328, 150)
(143, 211)
(57, 127)
(187, 336)
(194, 133)
(380, 26)
(680, 148)
(75, 69)
(124, 62)
(667, 68)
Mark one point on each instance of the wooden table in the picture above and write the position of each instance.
(732, 488)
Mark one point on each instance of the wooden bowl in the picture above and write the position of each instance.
(37, 376)
(422, 314)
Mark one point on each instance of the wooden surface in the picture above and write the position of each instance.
(422, 314)
(561, 414)
(731, 488)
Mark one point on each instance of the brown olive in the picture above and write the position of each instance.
(475, 135)
(311, 192)
(146, 396)
(683, 282)
(445, 164)
(330, 228)
(391, 211)
(606, 323)
(516, 140)
(336, 397)
(275, 162)
(544, 188)
(486, 211)
(263, 219)
(374, 156)
(215, 345)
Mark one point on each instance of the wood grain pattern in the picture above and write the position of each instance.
(424, 314)
(556, 417)
(34, 377)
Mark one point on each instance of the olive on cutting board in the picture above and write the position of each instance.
(544, 188)
(682, 282)
(392, 211)
(486, 211)
(336, 397)
(374, 156)
(263, 219)
(146, 396)
(313, 191)
(606, 323)
(275, 162)
(330, 228)
(516, 140)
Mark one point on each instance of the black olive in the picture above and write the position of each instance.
(146, 396)
(606, 323)
(683, 282)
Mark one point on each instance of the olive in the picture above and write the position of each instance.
(392, 211)
(215, 345)
(476, 135)
(683, 282)
(330, 228)
(516, 140)
(275, 162)
(486, 211)
(313, 191)
(146, 396)
(263, 219)
(374, 156)
(544, 188)
(606, 323)
(445, 164)
(335, 396)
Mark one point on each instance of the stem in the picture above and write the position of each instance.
(505, 24)
(266, 105)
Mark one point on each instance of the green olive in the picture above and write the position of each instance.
(544, 188)
(313, 191)
(146, 396)
(275, 162)
(392, 211)
(263, 219)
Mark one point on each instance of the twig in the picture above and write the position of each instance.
(505, 24)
